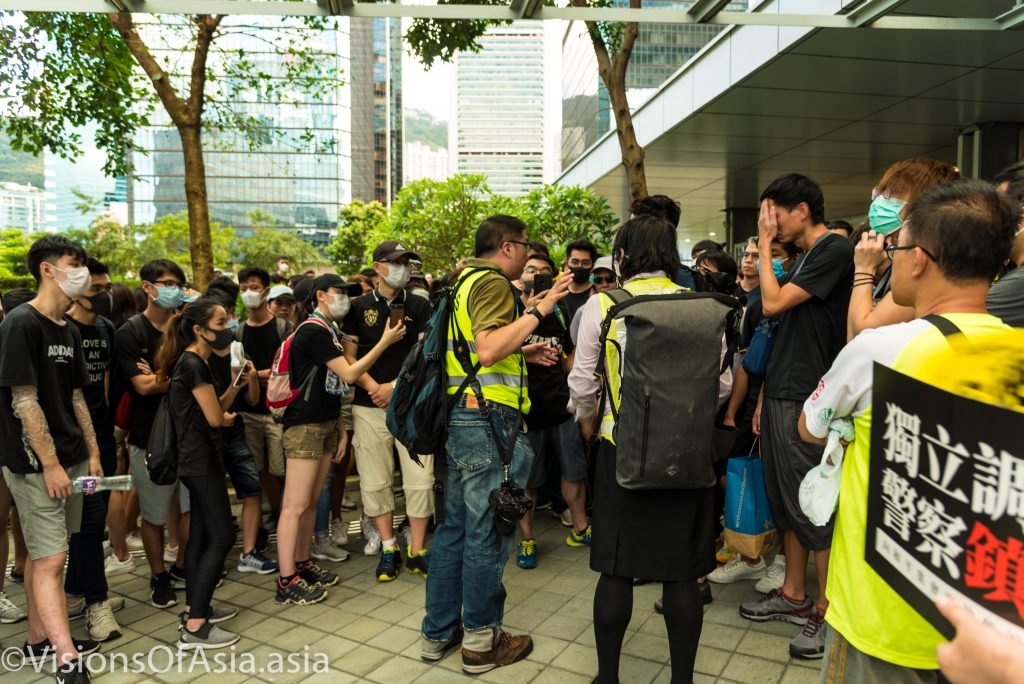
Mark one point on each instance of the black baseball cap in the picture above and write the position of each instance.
(389, 250)
(329, 280)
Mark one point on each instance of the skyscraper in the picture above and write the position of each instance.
(660, 50)
(498, 128)
(21, 207)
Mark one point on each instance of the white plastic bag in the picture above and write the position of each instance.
(819, 491)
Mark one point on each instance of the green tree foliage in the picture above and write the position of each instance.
(267, 243)
(113, 243)
(63, 69)
(14, 246)
(361, 225)
(439, 219)
(168, 238)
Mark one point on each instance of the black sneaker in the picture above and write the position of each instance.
(74, 672)
(43, 650)
(417, 563)
(317, 576)
(299, 593)
(161, 593)
(390, 561)
(179, 579)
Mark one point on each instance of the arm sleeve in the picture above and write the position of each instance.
(845, 391)
(491, 304)
(18, 360)
(583, 386)
(827, 268)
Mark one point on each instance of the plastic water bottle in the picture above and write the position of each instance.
(90, 484)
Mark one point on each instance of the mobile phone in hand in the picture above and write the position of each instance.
(542, 282)
(396, 314)
(241, 374)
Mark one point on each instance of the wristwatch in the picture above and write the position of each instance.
(534, 311)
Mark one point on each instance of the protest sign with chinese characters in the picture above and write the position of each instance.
(946, 500)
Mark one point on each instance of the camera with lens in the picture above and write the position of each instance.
(510, 505)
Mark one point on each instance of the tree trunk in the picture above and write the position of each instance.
(198, 210)
(632, 152)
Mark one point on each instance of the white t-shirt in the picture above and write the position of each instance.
(845, 391)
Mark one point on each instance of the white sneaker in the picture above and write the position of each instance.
(101, 623)
(134, 541)
(566, 518)
(170, 554)
(327, 550)
(112, 565)
(9, 612)
(737, 569)
(371, 536)
(774, 577)
(338, 533)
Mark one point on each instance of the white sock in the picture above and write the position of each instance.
(389, 543)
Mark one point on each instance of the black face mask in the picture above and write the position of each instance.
(221, 339)
(101, 304)
(721, 282)
(580, 275)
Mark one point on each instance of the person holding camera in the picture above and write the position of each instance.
(485, 460)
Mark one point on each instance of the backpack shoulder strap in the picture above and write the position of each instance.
(239, 330)
(945, 326)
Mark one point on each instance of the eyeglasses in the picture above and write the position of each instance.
(534, 269)
(603, 280)
(892, 249)
(519, 242)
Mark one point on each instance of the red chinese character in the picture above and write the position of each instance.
(995, 564)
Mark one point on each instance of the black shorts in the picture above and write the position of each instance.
(787, 459)
(562, 441)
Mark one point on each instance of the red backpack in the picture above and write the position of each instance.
(280, 393)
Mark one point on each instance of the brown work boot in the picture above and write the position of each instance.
(507, 649)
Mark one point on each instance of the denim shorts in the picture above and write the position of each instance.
(564, 442)
(241, 467)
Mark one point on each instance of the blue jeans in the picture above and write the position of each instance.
(322, 527)
(468, 554)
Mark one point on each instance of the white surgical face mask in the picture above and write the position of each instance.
(283, 267)
(339, 306)
(420, 293)
(398, 275)
(77, 281)
(252, 299)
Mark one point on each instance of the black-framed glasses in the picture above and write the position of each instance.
(892, 249)
(519, 242)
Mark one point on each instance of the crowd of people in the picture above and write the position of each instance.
(280, 385)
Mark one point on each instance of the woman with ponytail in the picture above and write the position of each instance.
(198, 414)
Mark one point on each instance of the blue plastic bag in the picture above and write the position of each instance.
(749, 524)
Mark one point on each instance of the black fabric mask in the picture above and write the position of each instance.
(221, 339)
(721, 282)
(101, 304)
(580, 275)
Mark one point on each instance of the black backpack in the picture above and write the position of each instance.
(162, 448)
(665, 433)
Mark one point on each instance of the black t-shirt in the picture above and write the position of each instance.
(98, 349)
(313, 347)
(365, 323)
(260, 343)
(36, 351)
(129, 351)
(810, 336)
(574, 301)
(220, 369)
(200, 447)
(549, 385)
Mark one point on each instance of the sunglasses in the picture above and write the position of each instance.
(603, 280)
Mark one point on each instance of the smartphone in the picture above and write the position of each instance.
(397, 313)
(542, 282)
(241, 373)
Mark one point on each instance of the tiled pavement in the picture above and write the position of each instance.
(370, 632)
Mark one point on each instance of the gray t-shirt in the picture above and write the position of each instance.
(1006, 298)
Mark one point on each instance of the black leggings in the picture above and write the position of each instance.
(613, 607)
(210, 538)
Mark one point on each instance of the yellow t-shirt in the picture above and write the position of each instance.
(862, 606)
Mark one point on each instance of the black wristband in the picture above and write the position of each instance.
(536, 312)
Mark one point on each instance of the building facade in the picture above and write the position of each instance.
(498, 127)
(661, 49)
(301, 172)
(424, 161)
(21, 207)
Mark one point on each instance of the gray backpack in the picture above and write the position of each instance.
(669, 366)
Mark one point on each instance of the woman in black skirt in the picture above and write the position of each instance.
(663, 536)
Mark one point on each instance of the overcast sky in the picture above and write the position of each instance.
(430, 91)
